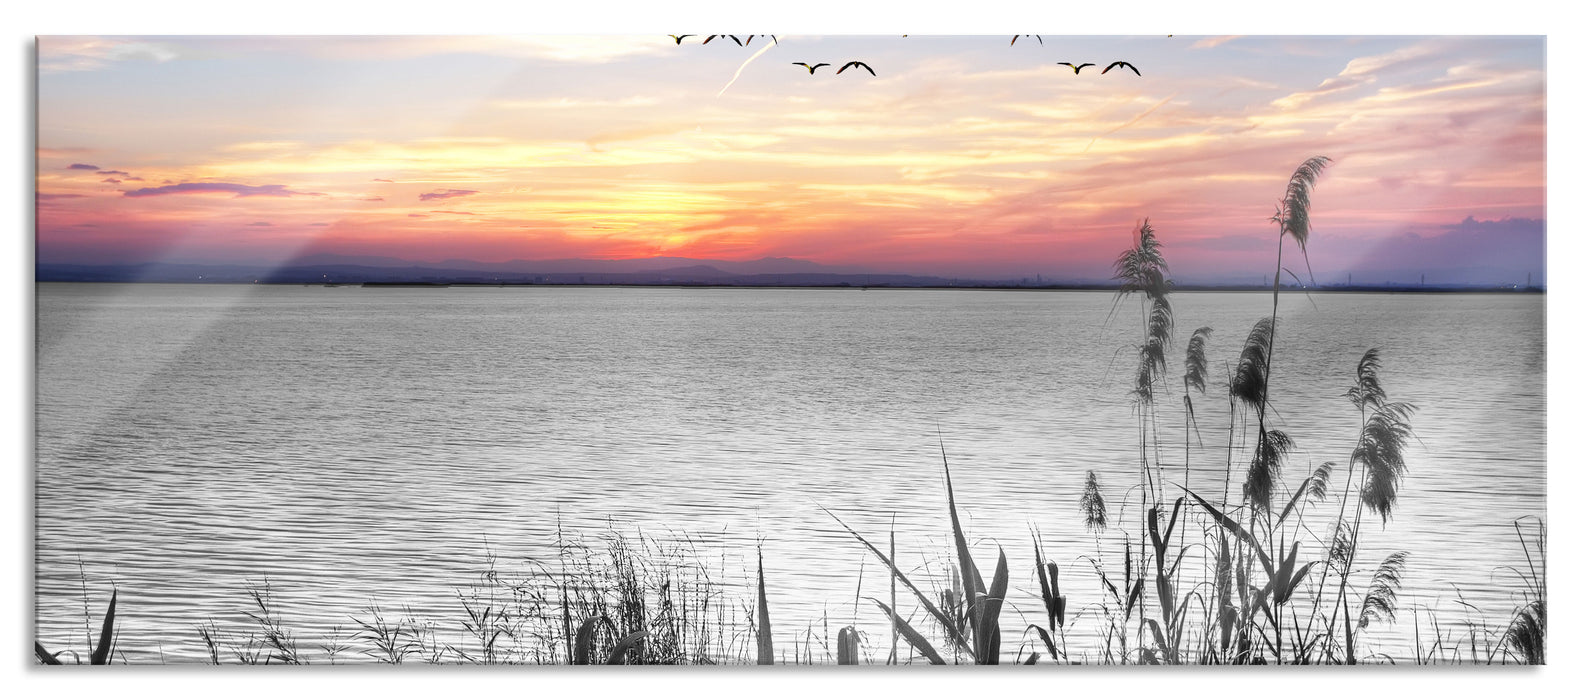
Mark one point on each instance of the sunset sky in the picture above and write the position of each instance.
(964, 156)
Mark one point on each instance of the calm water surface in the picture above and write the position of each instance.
(355, 445)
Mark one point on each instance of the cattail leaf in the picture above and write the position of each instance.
(1295, 496)
(1047, 593)
(1235, 528)
(1281, 586)
(971, 580)
(1159, 636)
(44, 656)
(943, 619)
(1111, 586)
(1059, 600)
(1135, 595)
(584, 644)
(1296, 580)
(988, 632)
(918, 641)
(101, 652)
(1049, 641)
(1126, 568)
(1175, 512)
(1033, 659)
(1153, 535)
(846, 647)
(1227, 624)
(623, 648)
(1166, 594)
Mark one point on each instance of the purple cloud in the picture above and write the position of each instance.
(111, 180)
(47, 197)
(260, 223)
(238, 190)
(1501, 250)
(446, 211)
(380, 179)
(113, 173)
(371, 199)
(444, 194)
(81, 166)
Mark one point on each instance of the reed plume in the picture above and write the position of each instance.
(1268, 460)
(1197, 360)
(1142, 268)
(1094, 515)
(1250, 382)
(1367, 392)
(1381, 450)
(1380, 603)
(1293, 215)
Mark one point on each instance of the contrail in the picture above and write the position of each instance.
(1134, 120)
(744, 67)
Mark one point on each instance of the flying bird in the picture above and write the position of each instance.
(1035, 36)
(811, 68)
(679, 38)
(1075, 69)
(859, 64)
(771, 36)
(732, 38)
(1121, 63)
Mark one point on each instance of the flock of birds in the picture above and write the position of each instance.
(1118, 64)
(849, 64)
(811, 68)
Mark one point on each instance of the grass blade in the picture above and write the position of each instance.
(918, 641)
(101, 652)
(766, 644)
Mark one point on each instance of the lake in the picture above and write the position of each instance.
(354, 444)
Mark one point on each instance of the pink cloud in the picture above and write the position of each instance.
(444, 194)
(204, 187)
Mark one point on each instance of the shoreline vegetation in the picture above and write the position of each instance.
(1267, 571)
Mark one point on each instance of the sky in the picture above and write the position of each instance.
(964, 156)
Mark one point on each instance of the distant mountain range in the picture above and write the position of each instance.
(764, 272)
(357, 269)
(761, 266)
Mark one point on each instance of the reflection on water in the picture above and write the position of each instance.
(353, 445)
